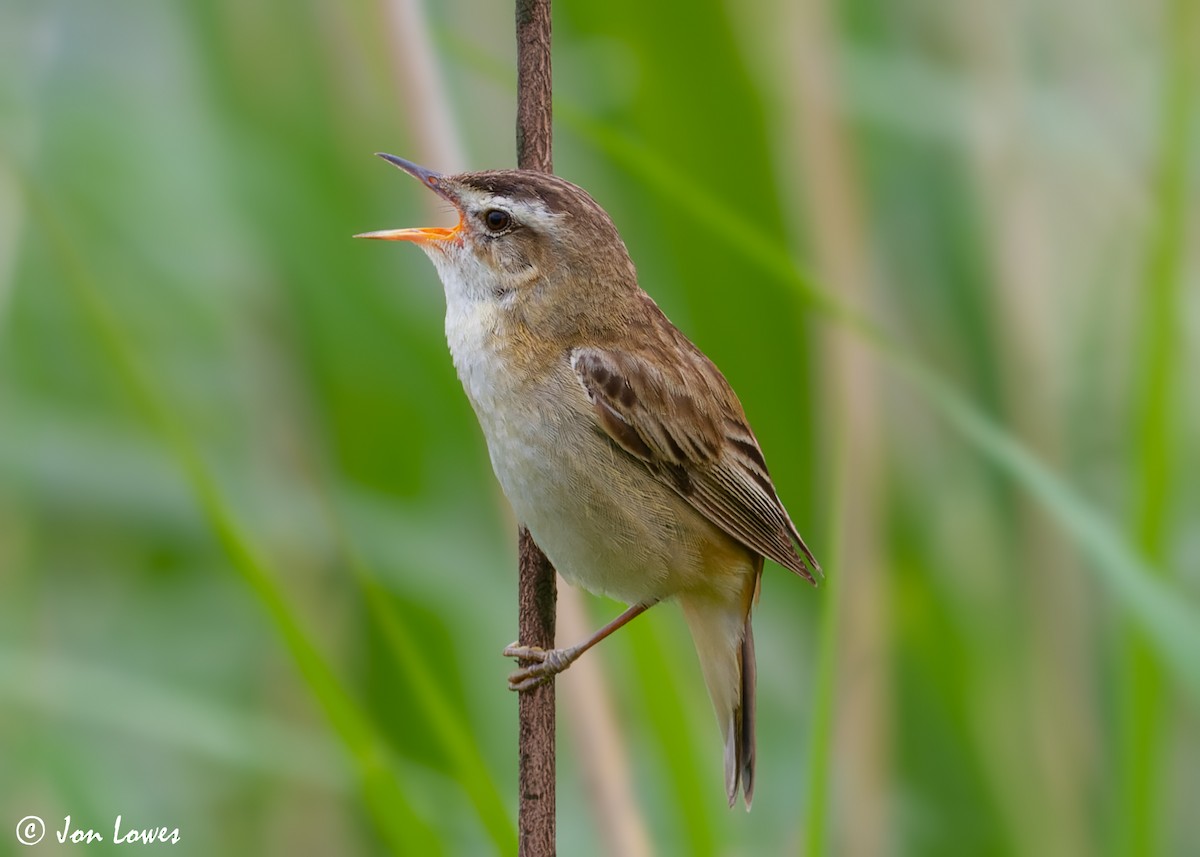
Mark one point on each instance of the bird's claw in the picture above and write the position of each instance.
(540, 665)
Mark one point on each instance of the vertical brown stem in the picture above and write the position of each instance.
(536, 601)
(537, 584)
(533, 86)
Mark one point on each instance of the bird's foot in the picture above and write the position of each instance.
(539, 665)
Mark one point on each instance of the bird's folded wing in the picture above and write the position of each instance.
(683, 422)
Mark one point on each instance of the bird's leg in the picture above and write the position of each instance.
(540, 665)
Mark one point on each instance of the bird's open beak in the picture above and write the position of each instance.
(434, 182)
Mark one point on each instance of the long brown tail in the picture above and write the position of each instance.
(749, 680)
(725, 644)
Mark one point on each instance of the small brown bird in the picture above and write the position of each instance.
(619, 445)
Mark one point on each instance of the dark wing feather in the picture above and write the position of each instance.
(685, 425)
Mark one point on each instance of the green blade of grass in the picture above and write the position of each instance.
(1143, 699)
(1170, 623)
(450, 731)
(659, 688)
(820, 745)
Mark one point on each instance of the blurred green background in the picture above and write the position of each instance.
(255, 574)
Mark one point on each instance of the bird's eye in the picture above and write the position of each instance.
(497, 219)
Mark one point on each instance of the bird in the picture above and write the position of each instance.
(617, 442)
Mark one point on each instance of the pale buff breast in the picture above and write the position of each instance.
(604, 522)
